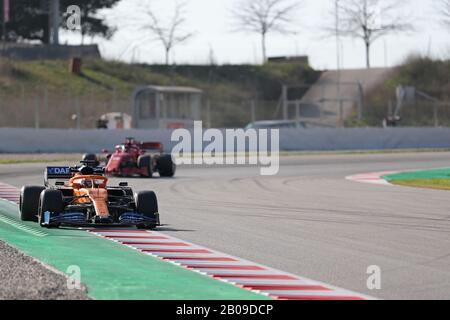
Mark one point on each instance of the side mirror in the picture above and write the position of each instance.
(123, 184)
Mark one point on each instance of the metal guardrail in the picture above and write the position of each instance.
(17, 140)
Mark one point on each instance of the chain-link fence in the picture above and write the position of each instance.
(42, 107)
(323, 105)
(427, 114)
(238, 113)
(420, 110)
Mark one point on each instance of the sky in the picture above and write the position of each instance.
(215, 35)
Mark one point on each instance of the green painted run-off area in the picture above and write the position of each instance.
(443, 173)
(111, 270)
(434, 179)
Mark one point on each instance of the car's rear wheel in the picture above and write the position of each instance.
(29, 203)
(145, 162)
(147, 205)
(50, 201)
(166, 166)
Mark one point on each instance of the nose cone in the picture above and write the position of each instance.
(99, 198)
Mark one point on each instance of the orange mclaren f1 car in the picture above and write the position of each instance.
(81, 197)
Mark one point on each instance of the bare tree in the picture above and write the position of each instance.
(169, 33)
(444, 11)
(370, 20)
(265, 16)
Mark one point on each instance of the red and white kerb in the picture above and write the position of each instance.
(373, 178)
(9, 193)
(242, 273)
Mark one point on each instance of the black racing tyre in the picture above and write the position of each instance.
(146, 162)
(29, 203)
(147, 204)
(51, 201)
(91, 157)
(166, 166)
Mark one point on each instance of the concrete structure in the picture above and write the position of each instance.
(281, 59)
(337, 95)
(49, 52)
(157, 107)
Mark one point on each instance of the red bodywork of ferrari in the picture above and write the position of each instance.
(125, 159)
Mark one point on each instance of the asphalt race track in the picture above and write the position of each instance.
(308, 220)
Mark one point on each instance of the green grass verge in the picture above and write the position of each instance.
(429, 179)
(439, 184)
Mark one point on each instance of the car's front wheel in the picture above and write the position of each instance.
(147, 205)
(145, 162)
(51, 202)
(29, 203)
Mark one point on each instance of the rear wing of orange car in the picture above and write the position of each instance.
(57, 173)
(65, 173)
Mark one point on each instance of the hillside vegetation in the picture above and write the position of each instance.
(427, 75)
(49, 90)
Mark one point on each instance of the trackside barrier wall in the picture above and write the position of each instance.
(18, 140)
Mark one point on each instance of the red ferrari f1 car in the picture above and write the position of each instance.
(138, 158)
